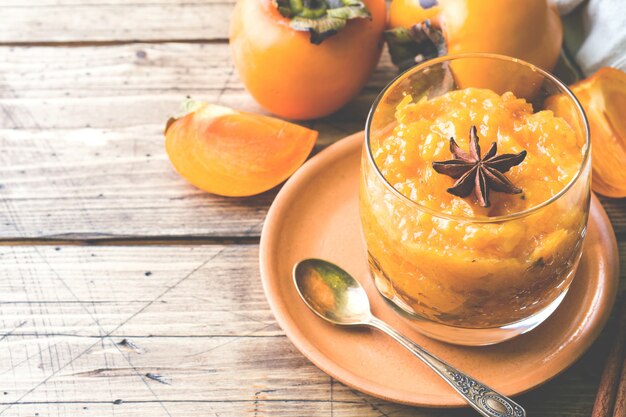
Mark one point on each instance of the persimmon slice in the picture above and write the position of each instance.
(603, 97)
(237, 154)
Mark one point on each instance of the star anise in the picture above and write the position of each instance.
(479, 174)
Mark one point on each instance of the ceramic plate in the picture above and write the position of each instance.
(315, 215)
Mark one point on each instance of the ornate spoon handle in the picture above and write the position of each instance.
(485, 400)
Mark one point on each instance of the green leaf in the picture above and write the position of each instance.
(321, 18)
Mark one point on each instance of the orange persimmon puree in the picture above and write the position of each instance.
(446, 258)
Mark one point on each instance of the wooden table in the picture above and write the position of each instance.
(124, 290)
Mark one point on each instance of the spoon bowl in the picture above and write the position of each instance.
(331, 293)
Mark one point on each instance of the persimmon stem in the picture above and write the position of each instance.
(416, 44)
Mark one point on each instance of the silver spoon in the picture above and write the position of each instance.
(334, 295)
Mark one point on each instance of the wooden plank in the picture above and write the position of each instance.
(179, 369)
(83, 154)
(106, 21)
(84, 326)
(263, 408)
(214, 374)
(130, 70)
(257, 408)
(62, 290)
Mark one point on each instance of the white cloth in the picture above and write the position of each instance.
(604, 26)
(566, 6)
(605, 45)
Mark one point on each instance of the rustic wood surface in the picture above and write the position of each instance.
(123, 290)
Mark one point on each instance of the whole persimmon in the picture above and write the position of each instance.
(530, 30)
(233, 153)
(306, 59)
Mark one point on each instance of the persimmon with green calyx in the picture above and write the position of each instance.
(231, 153)
(305, 59)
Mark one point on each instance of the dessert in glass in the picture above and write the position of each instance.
(474, 196)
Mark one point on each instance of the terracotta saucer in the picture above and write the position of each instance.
(315, 215)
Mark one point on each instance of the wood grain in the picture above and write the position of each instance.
(65, 287)
(130, 70)
(175, 328)
(251, 407)
(109, 21)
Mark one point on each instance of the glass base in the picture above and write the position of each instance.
(463, 335)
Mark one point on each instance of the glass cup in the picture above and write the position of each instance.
(484, 279)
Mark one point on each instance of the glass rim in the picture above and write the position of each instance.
(477, 219)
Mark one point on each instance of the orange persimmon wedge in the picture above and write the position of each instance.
(603, 97)
(230, 153)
